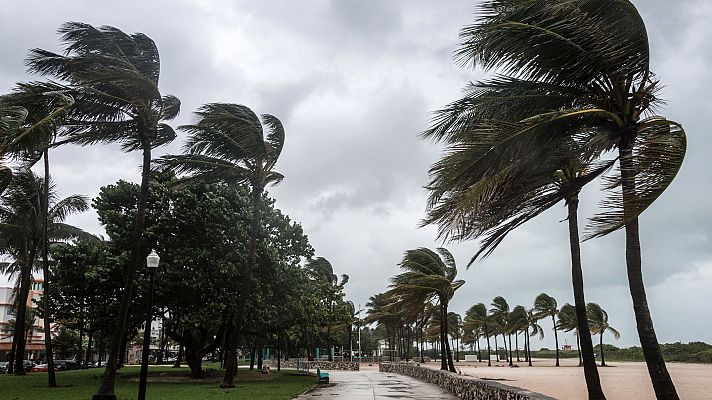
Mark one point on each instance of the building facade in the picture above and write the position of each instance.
(34, 334)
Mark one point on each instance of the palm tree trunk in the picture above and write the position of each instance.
(21, 315)
(443, 339)
(593, 381)
(108, 381)
(511, 362)
(578, 345)
(244, 294)
(516, 343)
(489, 350)
(496, 348)
(603, 359)
(662, 383)
(556, 339)
(528, 343)
(49, 354)
(504, 343)
(448, 352)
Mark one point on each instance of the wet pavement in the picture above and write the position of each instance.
(370, 384)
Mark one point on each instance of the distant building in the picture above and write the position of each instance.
(566, 347)
(34, 348)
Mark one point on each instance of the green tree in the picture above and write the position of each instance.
(571, 69)
(533, 328)
(228, 144)
(598, 319)
(429, 275)
(516, 322)
(113, 77)
(545, 306)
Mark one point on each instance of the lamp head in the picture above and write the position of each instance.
(152, 260)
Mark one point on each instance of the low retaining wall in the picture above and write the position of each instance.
(304, 364)
(462, 386)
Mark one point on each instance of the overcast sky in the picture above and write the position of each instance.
(354, 82)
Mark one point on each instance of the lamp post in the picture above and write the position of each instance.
(152, 264)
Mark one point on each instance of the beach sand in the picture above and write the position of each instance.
(620, 380)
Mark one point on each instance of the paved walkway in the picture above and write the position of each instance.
(370, 384)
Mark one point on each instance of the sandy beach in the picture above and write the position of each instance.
(621, 380)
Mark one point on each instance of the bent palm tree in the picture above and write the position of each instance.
(567, 322)
(545, 306)
(572, 68)
(429, 275)
(229, 144)
(113, 78)
(598, 318)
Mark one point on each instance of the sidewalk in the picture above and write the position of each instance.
(371, 384)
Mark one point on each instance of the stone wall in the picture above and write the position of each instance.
(325, 365)
(462, 386)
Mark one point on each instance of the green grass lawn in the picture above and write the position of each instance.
(80, 385)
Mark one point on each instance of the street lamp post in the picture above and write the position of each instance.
(152, 264)
(360, 356)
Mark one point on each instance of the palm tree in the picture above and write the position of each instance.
(545, 306)
(533, 328)
(454, 325)
(571, 69)
(567, 322)
(500, 315)
(429, 275)
(45, 113)
(321, 271)
(517, 323)
(598, 318)
(22, 227)
(228, 144)
(477, 318)
(113, 77)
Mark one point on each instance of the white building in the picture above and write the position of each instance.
(35, 334)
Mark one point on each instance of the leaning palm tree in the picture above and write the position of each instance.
(567, 322)
(113, 78)
(229, 144)
(478, 317)
(533, 328)
(598, 319)
(545, 306)
(500, 314)
(570, 68)
(21, 232)
(517, 322)
(429, 275)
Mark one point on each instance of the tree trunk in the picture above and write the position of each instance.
(49, 354)
(496, 347)
(489, 350)
(448, 352)
(328, 343)
(504, 343)
(556, 339)
(195, 362)
(108, 381)
(586, 356)
(260, 351)
(179, 357)
(662, 383)
(529, 349)
(516, 343)
(578, 345)
(603, 359)
(244, 294)
(87, 356)
(443, 355)
(511, 362)
(252, 359)
(21, 315)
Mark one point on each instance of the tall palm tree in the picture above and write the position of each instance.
(429, 275)
(229, 144)
(454, 326)
(598, 318)
(533, 328)
(321, 271)
(22, 223)
(567, 322)
(500, 314)
(45, 113)
(570, 68)
(545, 306)
(477, 318)
(517, 323)
(113, 78)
